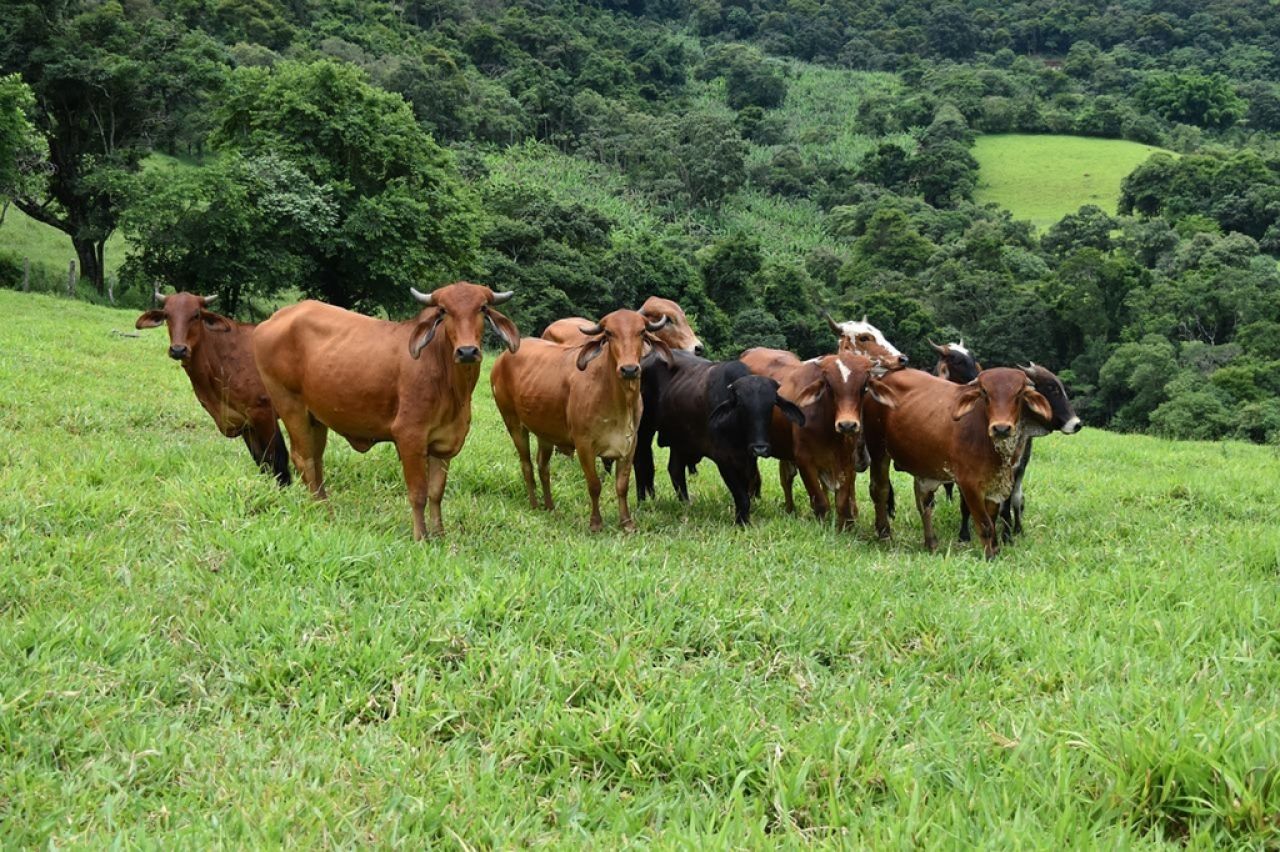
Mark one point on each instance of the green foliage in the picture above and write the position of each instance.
(1199, 99)
(20, 147)
(403, 217)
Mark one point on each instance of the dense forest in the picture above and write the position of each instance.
(590, 154)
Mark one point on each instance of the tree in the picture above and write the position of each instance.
(1088, 227)
(402, 214)
(102, 91)
(240, 228)
(1191, 98)
(20, 147)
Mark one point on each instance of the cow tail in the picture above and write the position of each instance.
(279, 456)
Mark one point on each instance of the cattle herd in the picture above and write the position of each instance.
(605, 389)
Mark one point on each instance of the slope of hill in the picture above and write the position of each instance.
(1043, 178)
(194, 657)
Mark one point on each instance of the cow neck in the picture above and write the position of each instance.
(207, 366)
(437, 360)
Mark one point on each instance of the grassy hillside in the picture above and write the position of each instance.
(1043, 178)
(189, 655)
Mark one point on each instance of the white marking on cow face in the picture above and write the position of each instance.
(959, 347)
(1073, 426)
(845, 372)
(853, 328)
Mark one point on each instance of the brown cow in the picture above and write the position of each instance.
(573, 399)
(676, 332)
(862, 338)
(371, 380)
(826, 448)
(217, 355)
(941, 432)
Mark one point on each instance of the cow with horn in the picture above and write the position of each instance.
(372, 380)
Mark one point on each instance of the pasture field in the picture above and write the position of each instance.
(190, 656)
(1042, 178)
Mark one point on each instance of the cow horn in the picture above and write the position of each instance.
(427, 299)
(591, 330)
(941, 350)
(864, 319)
(835, 326)
(158, 296)
(502, 298)
(657, 326)
(208, 300)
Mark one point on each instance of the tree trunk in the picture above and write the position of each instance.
(90, 254)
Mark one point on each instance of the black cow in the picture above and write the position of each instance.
(955, 363)
(706, 409)
(1064, 420)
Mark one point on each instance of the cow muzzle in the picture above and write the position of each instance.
(759, 450)
(848, 427)
(903, 360)
(466, 354)
(698, 350)
(1000, 430)
(179, 353)
(629, 371)
(1073, 426)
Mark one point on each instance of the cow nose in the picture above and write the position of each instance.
(1001, 430)
(760, 450)
(698, 350)
(467, 354)
(1073, 426)
(848, 427)
(903, 360)
(177, 353)
(629, 371)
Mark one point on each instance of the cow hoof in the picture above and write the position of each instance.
(596, 525)
(628, 526)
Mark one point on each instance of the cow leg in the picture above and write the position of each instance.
(983, 511)
(817, 494)
(964, 519)
(846, 500)
(676, 469)
(520, 437)
(642, 466)
(279, 455)
(880, 493)
(738, 482)
(437, 475)
(621, 482)
(309, 441)
(544, 473)
(587, 458)
(924, 503)
(266, 444)
(413, 461)
(753, 481)
(787, 478)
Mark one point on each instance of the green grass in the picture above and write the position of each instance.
(1043, 178)
(189, 656)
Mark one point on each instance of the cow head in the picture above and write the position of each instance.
(461, 309)
(744, 418)
(1005, 392)
(1050, 387)
(624, 334)
(677, 333)
(862, 338)
(846, 380)
(955, 363)
(187, 319)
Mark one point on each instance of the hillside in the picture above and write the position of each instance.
(194, 657)
(1043, 178)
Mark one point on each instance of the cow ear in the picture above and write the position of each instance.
(882, 393)
(721, 414)
(215, 322)
(150, 319)
(790, 410)
(967, 400)
(812, 393)
(1037, 404)
(424, 331)
(504, 328)
(591, 350)
(663, 350)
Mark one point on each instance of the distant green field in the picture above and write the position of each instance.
(1043, 178)
(191, 657)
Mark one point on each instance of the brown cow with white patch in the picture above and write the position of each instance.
(217, 355)
(826, 448)
(371, 380)
(676, 331)
(973, 435)
(583, 399)
(862, 338)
